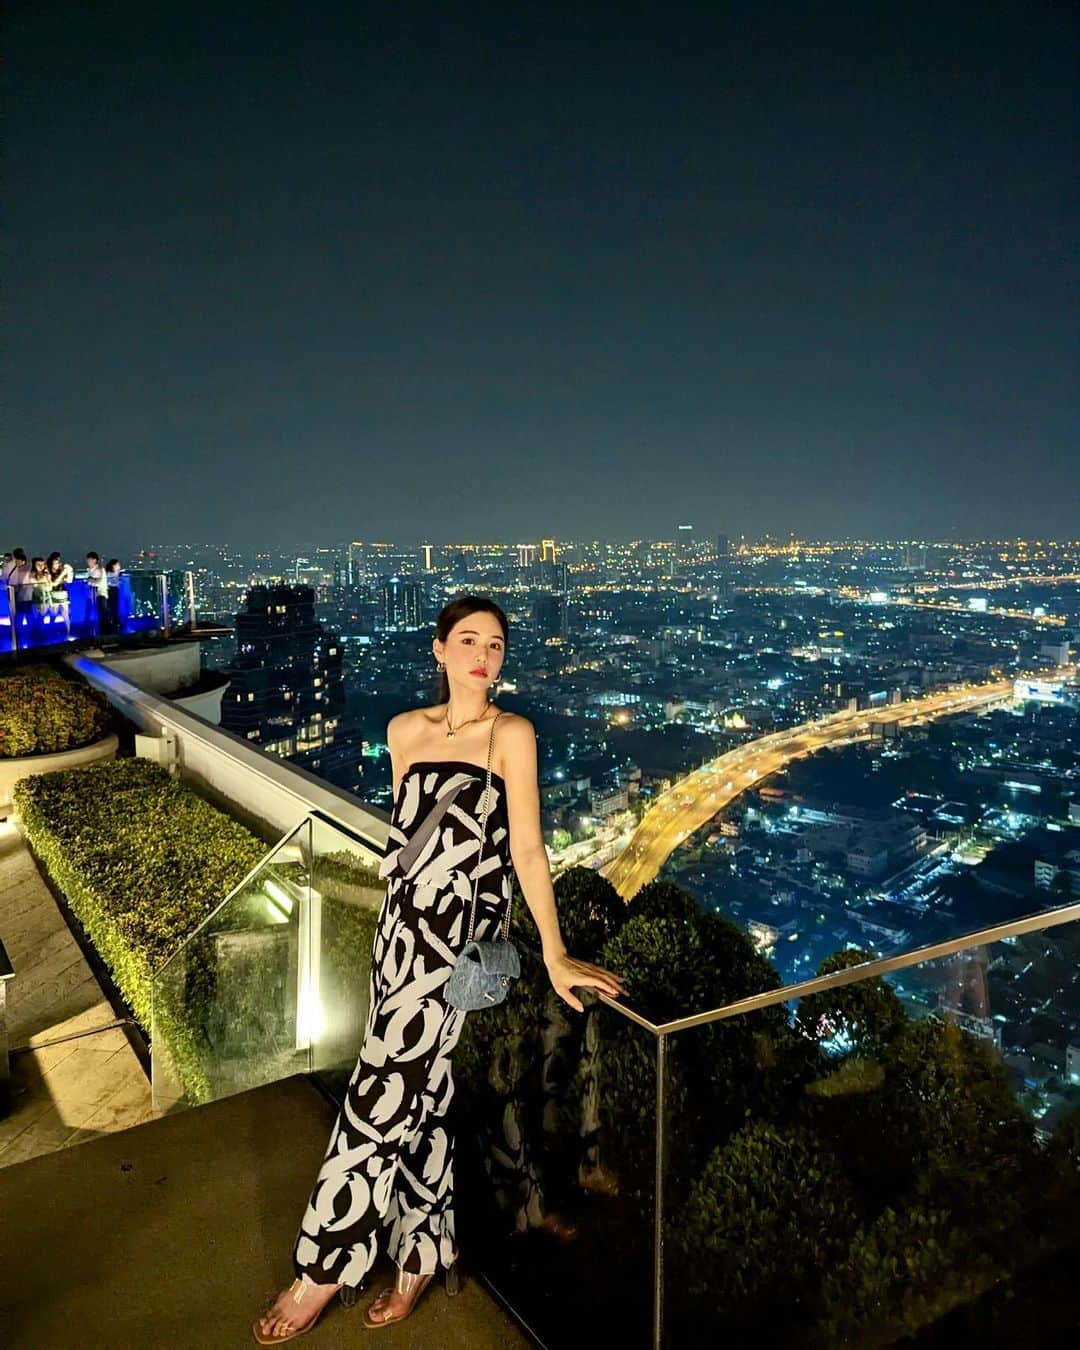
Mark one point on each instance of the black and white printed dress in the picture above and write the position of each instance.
(389, 1162)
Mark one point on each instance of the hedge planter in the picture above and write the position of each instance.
(48, 721)
(45, 712)
(14, 770)
(141, 860)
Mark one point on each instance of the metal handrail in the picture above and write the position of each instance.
(1049, 918)
(236, 890)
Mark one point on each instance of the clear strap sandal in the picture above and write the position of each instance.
(285, 1329)
(411, 1286)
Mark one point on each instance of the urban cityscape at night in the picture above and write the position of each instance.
(540, 676)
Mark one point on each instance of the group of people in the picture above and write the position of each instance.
(40, 585)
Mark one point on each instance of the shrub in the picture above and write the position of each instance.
(44, 712)
(141, 860)
(902, 1272)
(770, 1211)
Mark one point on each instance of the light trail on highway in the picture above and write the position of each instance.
(695, 799)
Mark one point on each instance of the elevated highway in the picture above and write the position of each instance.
(695, 799)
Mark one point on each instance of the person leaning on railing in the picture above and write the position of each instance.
(387, 1174)
(61, 574)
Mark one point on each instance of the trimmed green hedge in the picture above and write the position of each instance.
(44, 712)
(140, 858)
(143, 862)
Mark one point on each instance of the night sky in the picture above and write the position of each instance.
(312, 272)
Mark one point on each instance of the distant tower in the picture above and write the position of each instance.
(547, 550)
(723, 569)
(356, 563)
(401, 604)
(683, 552)
(915, 557)
(549, 617)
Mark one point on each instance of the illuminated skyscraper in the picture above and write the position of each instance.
(286, 691)
(682, 555)
(401, 604)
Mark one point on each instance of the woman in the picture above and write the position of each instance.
(40, 585)
(389, 1160)
(61, 574)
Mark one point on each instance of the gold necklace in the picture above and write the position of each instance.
(452, 732)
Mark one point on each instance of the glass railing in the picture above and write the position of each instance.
(869, 1156)
(142, 602)
(228, 1007)
(555, 1162)
(275, 981)
(854, 1160)
(876, 1159)
(346, 896)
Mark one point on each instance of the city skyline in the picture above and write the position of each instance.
(396, 274)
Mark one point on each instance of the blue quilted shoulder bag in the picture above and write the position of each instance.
(483, 970)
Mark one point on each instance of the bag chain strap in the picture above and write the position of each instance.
(504, 927)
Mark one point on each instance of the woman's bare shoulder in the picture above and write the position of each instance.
(408, 727)
(516, 731)
(514, 718)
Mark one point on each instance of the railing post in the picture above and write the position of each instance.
(308, 989)
(6, 973)
(14, 619)
(163, 585)
(658, 1207)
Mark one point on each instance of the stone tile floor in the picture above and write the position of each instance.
(65, 1086)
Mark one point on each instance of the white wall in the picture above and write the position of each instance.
(159, 670)
(268, 794)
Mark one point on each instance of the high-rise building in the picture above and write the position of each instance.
(682, 554)
(549, 617)
(915, 557)
(286, 692)
(355, 572)
(401, 605)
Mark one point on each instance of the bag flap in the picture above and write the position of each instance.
(496, 958)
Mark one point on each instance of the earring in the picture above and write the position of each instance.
(439, 667)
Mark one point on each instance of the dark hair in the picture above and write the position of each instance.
(452, 613)
(20, 554)
(96, 556)
(52, 558)
(34, 562)
(113, 562)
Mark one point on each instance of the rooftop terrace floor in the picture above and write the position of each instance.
(74, 1075)
(177, 1232)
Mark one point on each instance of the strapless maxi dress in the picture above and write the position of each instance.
(389, 1163)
